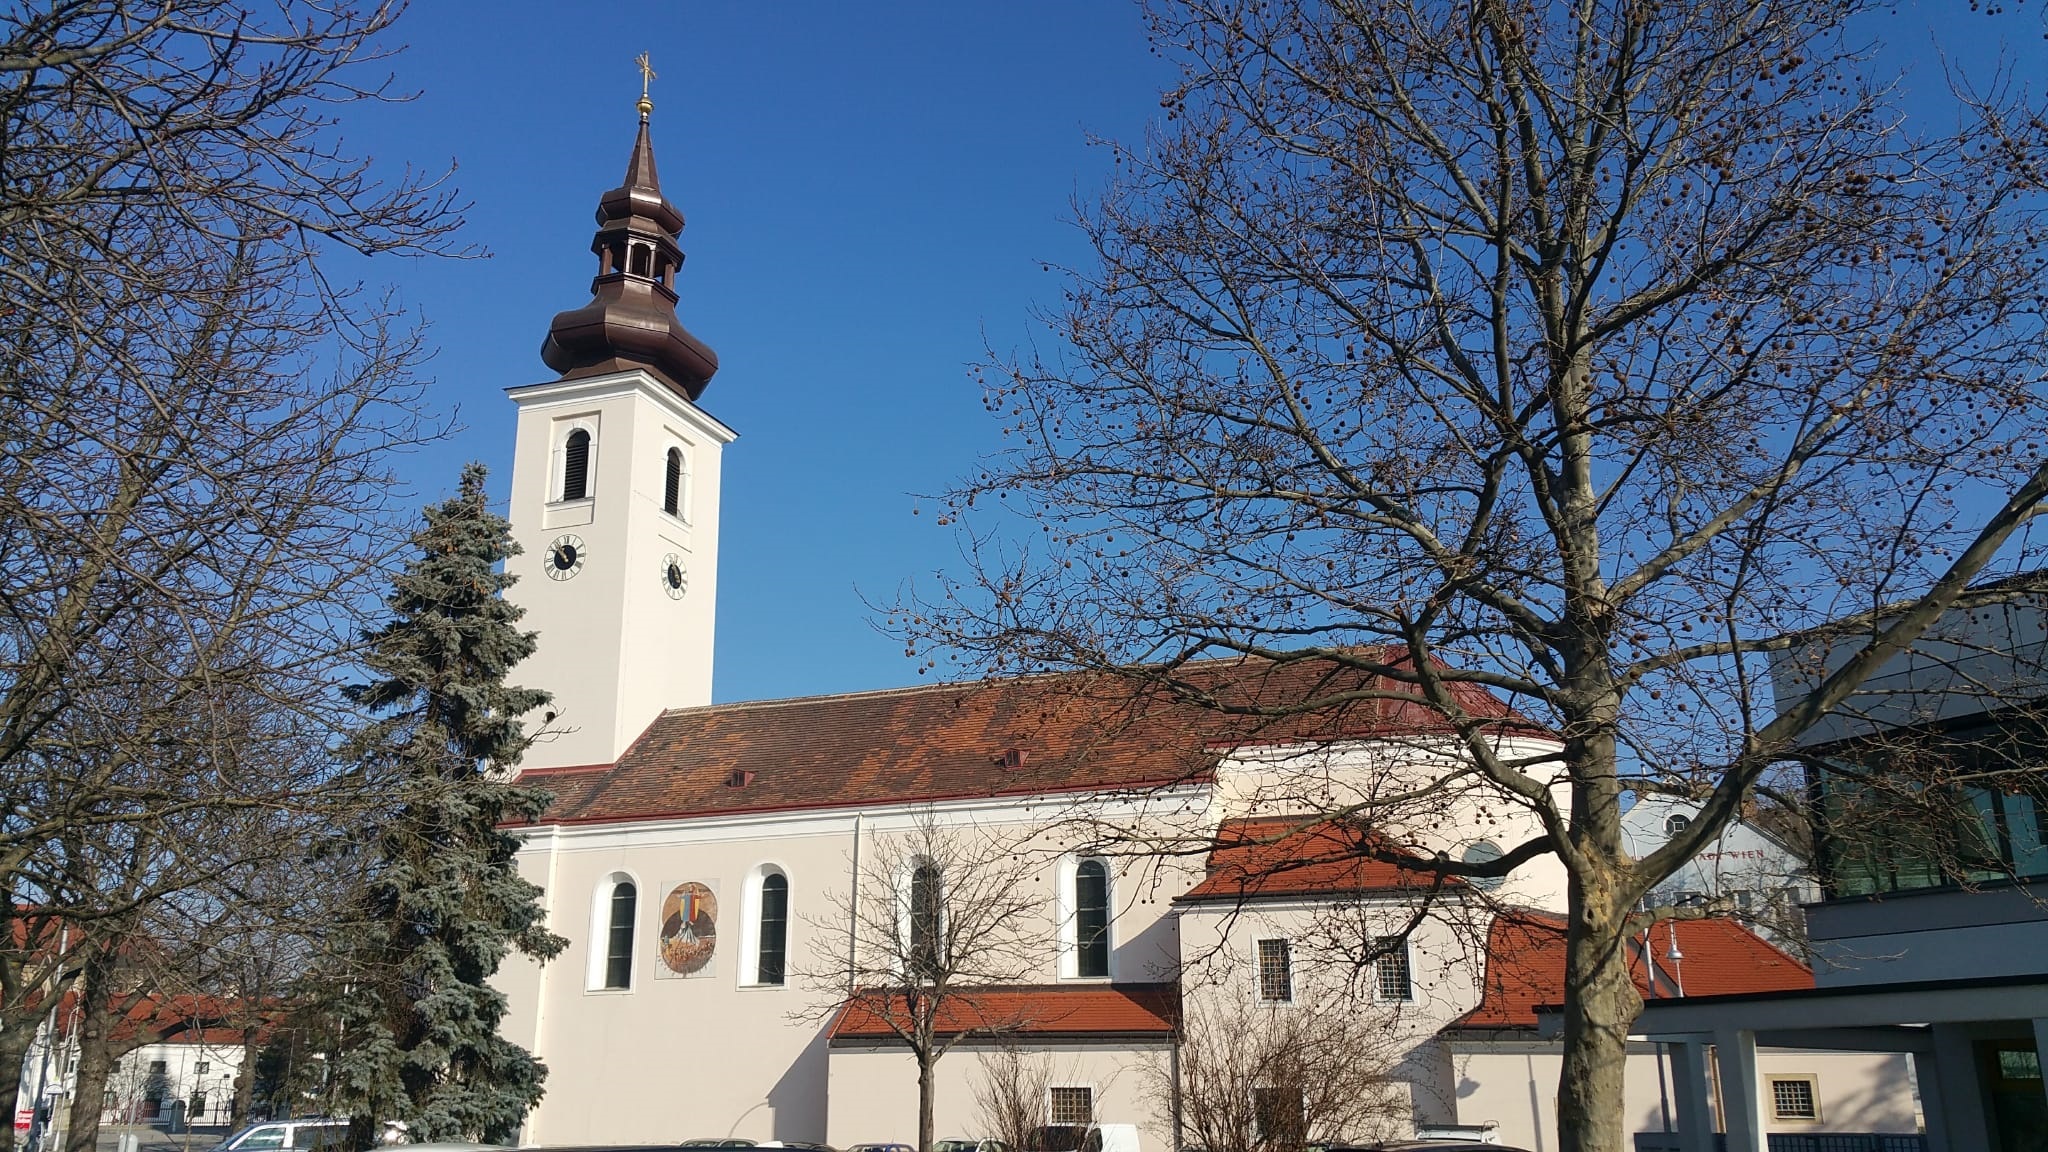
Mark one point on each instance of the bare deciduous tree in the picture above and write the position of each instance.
(196, 418)
(1587, 353)
(1012, 1092)
(1253, 1078)
(940, 921)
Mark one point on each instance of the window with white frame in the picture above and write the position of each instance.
(1070, 1104)
(1793, 1098)
(1393, 977)
(1276, 971)
(1091, 919)
(1279, 1116)
(618, 948)
(764, 928)
(614, 914)
(924, 916)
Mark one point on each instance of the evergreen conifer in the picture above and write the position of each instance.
(416, 1028)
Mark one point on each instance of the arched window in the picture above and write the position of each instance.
(576, 465)
(773, 947)
(613, 908)
(1484, 852)
(618, 949)
(1091, 918)
(926, 900)
(672, 490)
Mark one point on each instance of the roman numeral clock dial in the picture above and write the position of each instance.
(565, 557)
(675, 578)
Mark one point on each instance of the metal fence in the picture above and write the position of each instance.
(1801, 1142)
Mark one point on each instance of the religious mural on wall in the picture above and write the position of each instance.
(689, 930)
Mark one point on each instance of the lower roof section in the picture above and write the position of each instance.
(1036, 1012)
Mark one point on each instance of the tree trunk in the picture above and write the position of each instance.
(95, 1052)
(15, 1039)
(1600, 1006)
(245, 1082)
(924, 1103)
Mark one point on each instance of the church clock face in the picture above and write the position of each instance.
(565, 557)
(675, 578)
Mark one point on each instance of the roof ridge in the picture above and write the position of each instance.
(938, 686)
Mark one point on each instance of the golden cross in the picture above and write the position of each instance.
(646, 73)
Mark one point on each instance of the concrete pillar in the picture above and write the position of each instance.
(2041, 1046)
(1927, 1077)
(1735, 1052)
(1689, 1087)
(1963, 1108)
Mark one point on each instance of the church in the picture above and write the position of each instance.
(713, 866)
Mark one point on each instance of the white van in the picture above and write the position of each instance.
(1111, 1138)
(1077, 1138)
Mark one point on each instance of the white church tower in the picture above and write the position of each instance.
(615, 493)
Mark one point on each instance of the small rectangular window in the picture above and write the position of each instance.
(1793, 1099)
(202, 1068)
(1392, 970)
(1071, 1105)
(1279, 1116)
(1276, 971)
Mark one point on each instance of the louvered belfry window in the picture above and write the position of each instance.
(672, 491)
(576, 466)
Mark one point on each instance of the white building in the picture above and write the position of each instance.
(696, 855)
(1761, 876)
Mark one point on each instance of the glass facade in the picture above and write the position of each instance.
(1918, 809)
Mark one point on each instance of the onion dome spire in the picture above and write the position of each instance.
(631, 321)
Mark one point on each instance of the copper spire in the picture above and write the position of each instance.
(630, 321)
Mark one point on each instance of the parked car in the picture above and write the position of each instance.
(313, 1132)
(1083, 1138)
(718, 1142)
(881, 1148)
(961, 1144)
(1453, 1144)
(798, 1145)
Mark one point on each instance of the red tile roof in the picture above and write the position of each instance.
(1071, 1010)
(1525, 965)
(1274, 857)
(1075, 732)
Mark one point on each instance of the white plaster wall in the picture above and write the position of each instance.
(673, 1059)
(129, 1078)
(1741, 859)
(1445, 951)
(874, 1091)
(1513, 1086)
(615, 650)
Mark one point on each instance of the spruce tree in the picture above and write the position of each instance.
(416, 1027)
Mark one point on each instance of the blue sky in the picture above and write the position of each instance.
(871, 192)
